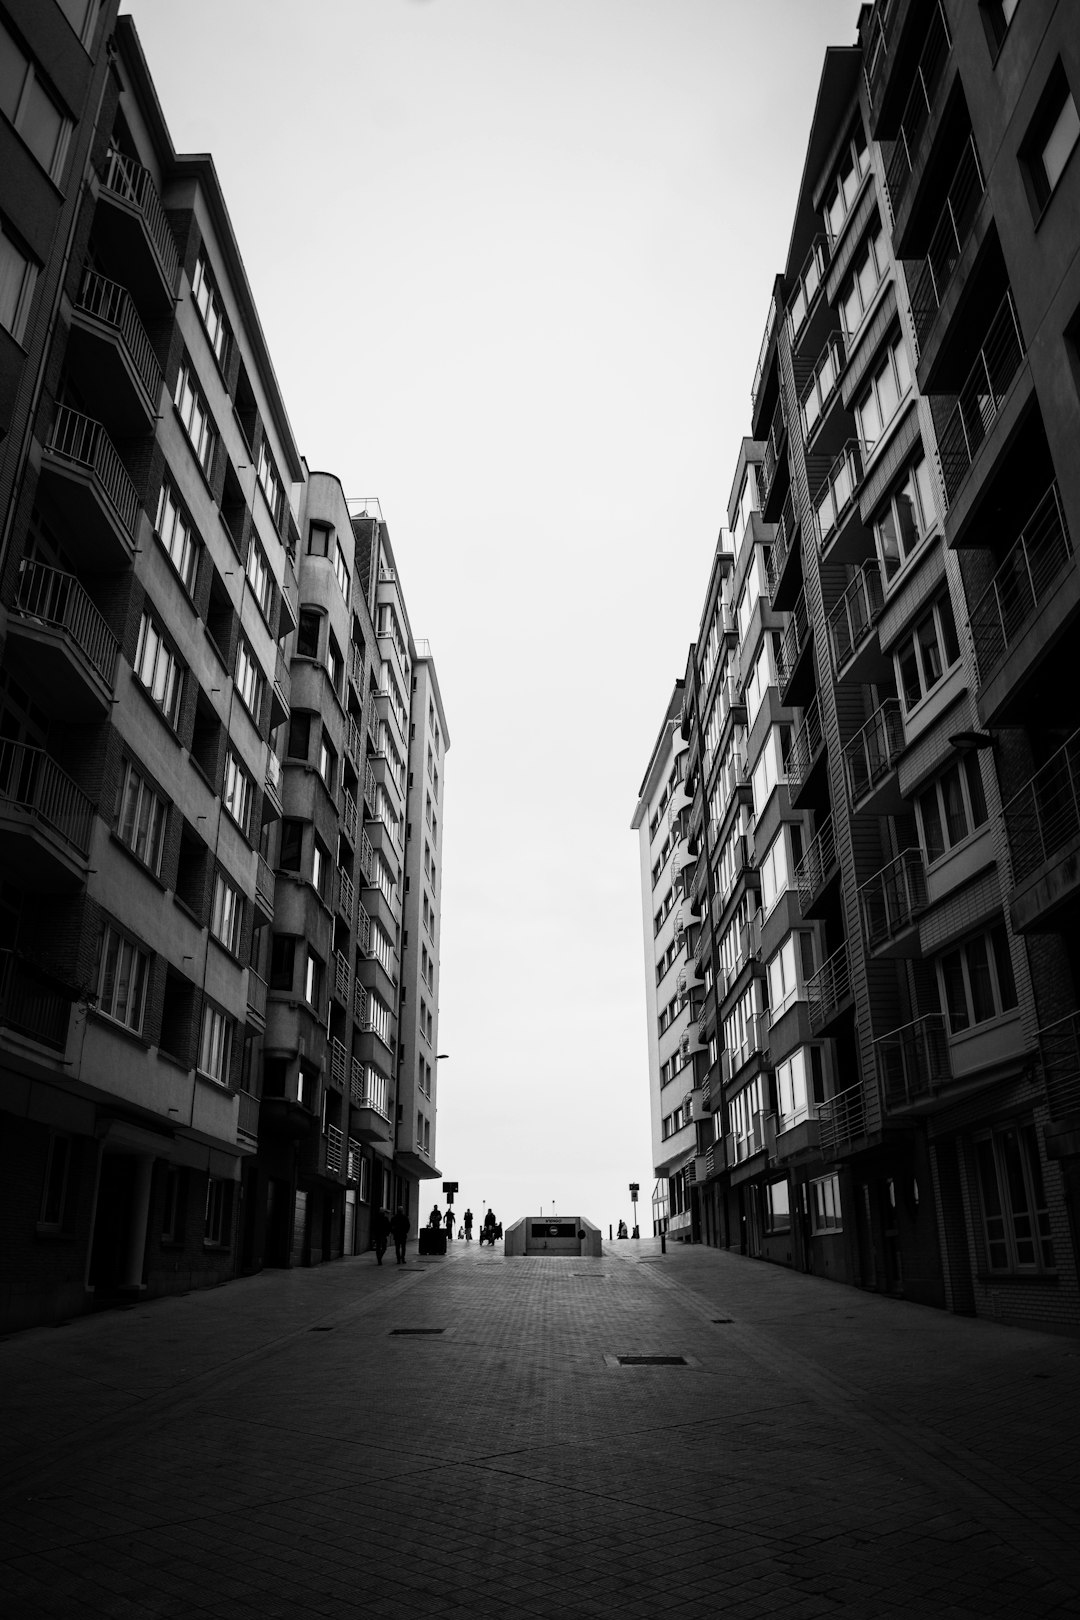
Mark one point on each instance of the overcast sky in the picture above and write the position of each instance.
(513, 259)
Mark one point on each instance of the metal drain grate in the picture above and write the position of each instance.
(406, 1332)
(723, 1320)
(652, 1361)
(320, 1330)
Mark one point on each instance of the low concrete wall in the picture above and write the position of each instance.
(565, 1234)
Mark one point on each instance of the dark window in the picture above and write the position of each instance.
(299, 736)
(307, 635)
(292, 843)
(282, 957)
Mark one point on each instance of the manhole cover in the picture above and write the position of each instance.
(651, 1361)
(406, 1332)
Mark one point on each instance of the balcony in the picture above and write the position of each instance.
(363, 929)
(88, 485)
(133, 230)
(879, 43)
(913, 1063)
(796, 1137)
(59, 644)
(783, 579)
(919, 106)
(365, 856)
(348, 816)
(1021, 585)
(360, 1004)
(871, 758)
(370, 1108)
(841, 539)
(798, 638)
(829, 991)
(256, 999)
(807, 748)
(110, 357)
(353, 1161)
(341, 977)
(345, 895)
(272, 785)
(774, 450)
(339, 1064)
(1042, 823)
(356, 670)
(806, 297)
(892, 902)
(290, 596)
(817, 867)
(1059, 1052)
(761, 369)
(333, 1150)
(689, 979)
(31, 1004)
(45, 820)
(852, 624)
(978, 404)
(842, 1122)
(930, 278)
(247, 1120)
(279, 694)
(265, 886)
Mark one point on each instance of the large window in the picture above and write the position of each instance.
(1016, 1221)
(877, 406)
(951, 807)
(122, 974)
(250, 680)
(215, 1044)
(825, 1209)
(906, 518)
(30, 107)
(926, 654)
(227, 914)
(788, 972)
(1049, 142)
(777, 1206)
(270, 483)
(341, 571)
(159, 669)
(217, 1226)
(195, 416)
(822, 384)
(17, 277)
(237, 792)
(799, 1086)
(771, 767)
(260, 578)
(845, 187)
(976, 980)
(57, 1201)
(209, 305)
(140, 817)
(862, 285)
(778, 865)
(176, 534)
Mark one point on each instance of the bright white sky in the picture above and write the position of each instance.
(513, 259)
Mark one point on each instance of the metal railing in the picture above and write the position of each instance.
(58, 599)
(805, 745)
(913, 1061)
(365, 853)
(354, 746)
(356, 669)
(346, 895)
(80, 439)
(109, 302)
(783, 540)
(929, 279)
(30, 1006)
(842, 1120)
(1059, 1051)
(877, 43)
(919, 105)
(341, 977)
(807, 288)
(1021, 583)
(256, 993)
(348, 816)
(852, 620)
(333, 1150)
(127, 179)
(1044, 816)
(265, 881)
(339, 1064)
(33, 781)
(818, 860)
(770, 461)
(829, 988)
(873, 752)
(892, 900)
(247, 1115)
(979, 401)
(360, 1004)
(763, 353)
(363, 930)
(796, 639)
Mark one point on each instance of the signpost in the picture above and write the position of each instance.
(450, 1188)
(635, 1188)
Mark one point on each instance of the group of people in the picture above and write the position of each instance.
(384, 1226)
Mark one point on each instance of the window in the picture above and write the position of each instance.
(29, 106)
(57, 1203)
(777, 1207)
(313, 980)
(195, 416)
(17, 278)
(270, 483)
(209, 305)
(335, 664)
(748, 502)
(341, 571)
(237, 792)
(800, 1086)
(320, 867)
(951, 807)
(822, 384)
(307, 634)
(140, 818)
(82, 15)
(250, 680)
(176, 535)
(907, 518)
(299, 743)
(806, 291)
(845, 187)
(858, 294)
(227, 914)
(788, 972)
(158, 669)
(327, 762)
(282, 960)
(835, 497)
(217, 1227)
(926, 653)
(1048, 144)
(260, 578)
(878, 405)
(122, 974)
(825, 1210)
(976, 980)
(215, 1044)
(1016, 1221)
(778, 864)
(771, 767)
(318, 540)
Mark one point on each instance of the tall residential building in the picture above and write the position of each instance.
(208, 697)
(880, 813)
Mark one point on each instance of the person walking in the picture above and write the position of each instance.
(449, 1223)
(467, 1220)
(380, 1231)
(399, 1226)
(435, 1218)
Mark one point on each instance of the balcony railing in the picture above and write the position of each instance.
(879, 42)
(247, 1115)
(256, 993)
(58, 599)
(339, 1063)
(31, 1006)
(835, 496)
(265, 882)
(129, 180)
(348, 816)
(80, 439)
(333, 1150)
(852, 620)
(919, 105)
(929, 280)
(774, 449)
(805, 746)
(360, 1012)
(1059, 1049)
(346, 895)
(365, 853)
(829, 988)
(1021, 584)
(817, 862)
(783, 540)
(34, 782)
(913, 1061)
(1044, 817)
(352, 1171)
(111, 304)
(979, 401)
(363, 930)
(894, 898)
(807, 288)
(763, 353)
(842, 1120)
(796, 639)
(341, 976)
(356, 669)
(873, 753)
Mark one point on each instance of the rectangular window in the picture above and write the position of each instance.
(927, 653)
(30, 107)
(227, 914)
(327, 762)
(951, 807)
(777, 1207)
(215, 1044)
(260, 578)
(1016, 1220)
(218, 1221)
(176, 535)
(1048, 145)
(56, 1190)
(17, 278)
(313, 980)
(859, 291)
(878, 405)
(195, 415)
(845, 187)
(158, 669)
(250, 680)
(270, 483)
(237, 792)
(282, 959)
(907, 518)
(825, 1209)
(209, 305)
(341, 571)
(976, 980)
(140, 818)
(122, 974)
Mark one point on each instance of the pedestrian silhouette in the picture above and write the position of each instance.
(399, 1226)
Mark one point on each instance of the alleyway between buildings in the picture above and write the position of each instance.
(458, 1438)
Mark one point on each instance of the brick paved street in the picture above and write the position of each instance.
(275, 1447)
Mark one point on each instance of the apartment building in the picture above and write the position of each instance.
(204, 733)
(896, 1081)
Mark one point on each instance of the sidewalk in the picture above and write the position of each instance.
(279, 1446)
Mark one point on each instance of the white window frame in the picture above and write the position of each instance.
(227, 913)
(141, 816)
(211, 310)
(176, 536)
(158, 669)
(194, 414)
(129, 967)
(215, 1044)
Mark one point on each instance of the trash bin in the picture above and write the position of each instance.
(431, 1241)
